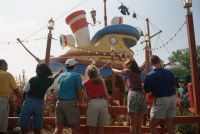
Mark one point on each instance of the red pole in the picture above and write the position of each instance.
(190, 93)
(193, 61)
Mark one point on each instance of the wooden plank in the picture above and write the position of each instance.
(47, 121)
(115, 110)
(12, 121)
(50, 121)
(119, 130)
(186, 119)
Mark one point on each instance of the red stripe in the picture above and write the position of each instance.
(78, 24)
(71, 16)
(65, 40)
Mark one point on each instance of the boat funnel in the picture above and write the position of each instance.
(67, 40)
(117, 20)
(79, 27)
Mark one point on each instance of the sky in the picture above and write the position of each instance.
(27, 20)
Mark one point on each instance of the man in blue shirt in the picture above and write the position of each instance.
(160, 83)
(69, 92)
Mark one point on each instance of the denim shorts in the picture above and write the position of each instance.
(32, 107)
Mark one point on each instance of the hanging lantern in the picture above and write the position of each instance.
(51, 24)
(134, 15)
(93, 15)
(187, 3)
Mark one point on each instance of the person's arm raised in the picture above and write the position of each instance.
(117, 71)
(57, 74)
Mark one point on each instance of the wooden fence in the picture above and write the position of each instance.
(114, 110)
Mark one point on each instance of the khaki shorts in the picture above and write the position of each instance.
(4, 113)
(97, 113)
(164, 108)
(67, 113)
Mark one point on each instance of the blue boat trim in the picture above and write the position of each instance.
(117, 29)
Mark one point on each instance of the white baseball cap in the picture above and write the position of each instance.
(70, 62)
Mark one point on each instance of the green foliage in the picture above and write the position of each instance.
(182, 61)
(186, 128)
(179, 71)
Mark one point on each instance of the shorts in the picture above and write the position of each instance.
(164, 108)
(136, 102)
(67, 113)
(4, 113)
(97, 113)
(32, 107)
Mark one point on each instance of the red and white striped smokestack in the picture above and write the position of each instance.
(67, 41)
(79, 27)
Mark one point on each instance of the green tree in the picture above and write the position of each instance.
(182, 61)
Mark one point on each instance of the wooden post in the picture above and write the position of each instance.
(113, 74)
(105, 14)
(48, 49)
(193, 61)
(36, 58)
(149, 39)
(148, 50)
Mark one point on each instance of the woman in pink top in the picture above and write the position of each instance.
(96, 94)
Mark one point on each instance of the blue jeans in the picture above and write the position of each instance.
(32, 107)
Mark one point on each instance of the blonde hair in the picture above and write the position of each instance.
(93, 73)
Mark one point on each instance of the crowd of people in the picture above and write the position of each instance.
(74, 93)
